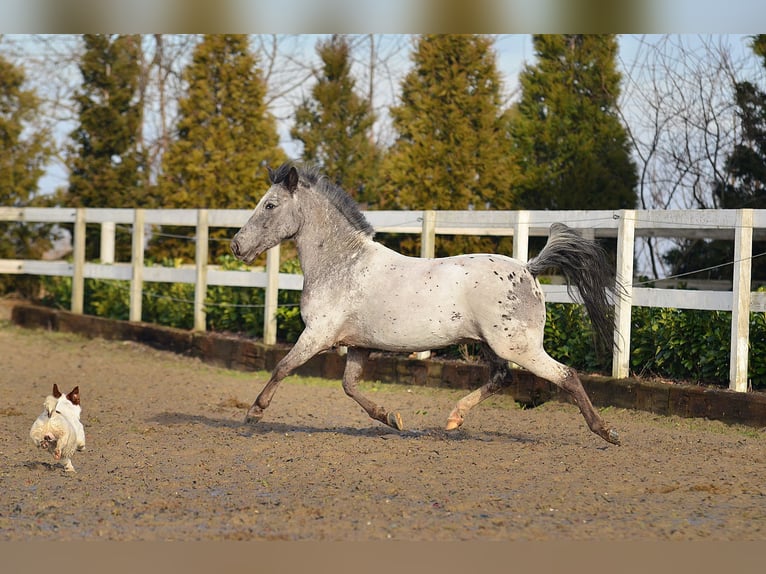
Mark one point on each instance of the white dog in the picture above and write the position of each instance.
(58, 428)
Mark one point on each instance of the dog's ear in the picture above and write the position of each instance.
(56, 392)
(74, 396)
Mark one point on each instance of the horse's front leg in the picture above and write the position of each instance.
(354, 368)
(305, 347)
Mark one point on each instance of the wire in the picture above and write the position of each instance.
(701, 270)
(191, 301)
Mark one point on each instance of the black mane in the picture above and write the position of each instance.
(310, 176)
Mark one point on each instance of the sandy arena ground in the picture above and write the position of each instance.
(168, 459)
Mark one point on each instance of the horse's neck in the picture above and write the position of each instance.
(328, 243)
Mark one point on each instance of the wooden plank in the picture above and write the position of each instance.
(137, 266)
(427, 251)
(201, 255)
(689, 223)
(740, 312)
(118, 271)
(623, 305)
(169, 274)
(758, 302)
(180, 217)
(228, 217)
(11, 266)
(102, 215)
(50, 214)
(106, 252)
(271, 296)
(682, 299)
(428, 235)
(78, 257)
(255, 279)
(11, 214)
(557, 294)
(49, 268)
(395, 221)
(521, 236)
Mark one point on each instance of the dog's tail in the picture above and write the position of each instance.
(585, 266)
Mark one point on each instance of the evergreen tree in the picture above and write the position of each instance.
(24, 151)
(572, 150)
(335, 125)
(108, 168)
(225, 137)
(107, 165)
(452, 149)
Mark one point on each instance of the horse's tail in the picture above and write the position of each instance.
(584, 265)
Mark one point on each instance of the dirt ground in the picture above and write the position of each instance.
(168, 459)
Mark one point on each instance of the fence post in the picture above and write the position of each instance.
(270, 296)
(107, 242)
(200, 258)
(521, 236)
(626, 235)
(428, 234)
(740, 305)
(427, 250)
(137, 265)
(78, 256)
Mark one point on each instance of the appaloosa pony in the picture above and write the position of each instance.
(361, 294)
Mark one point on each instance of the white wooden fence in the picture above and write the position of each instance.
(741, 226)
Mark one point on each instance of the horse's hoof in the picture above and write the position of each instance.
(612, 436)
(394, 420)
(253, 416)
(454, 421)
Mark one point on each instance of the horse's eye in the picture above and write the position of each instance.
(269, 206)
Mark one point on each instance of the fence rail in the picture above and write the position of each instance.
(740, 226)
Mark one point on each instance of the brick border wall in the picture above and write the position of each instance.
(249, 355)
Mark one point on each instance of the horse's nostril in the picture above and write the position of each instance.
(235, 247)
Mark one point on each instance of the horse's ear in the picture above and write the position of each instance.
(292, 180)
(56, 393)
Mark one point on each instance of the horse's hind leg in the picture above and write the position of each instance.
(542, 365)
(498, 380)
(354, 367)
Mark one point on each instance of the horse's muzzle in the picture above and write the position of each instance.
(235, 248)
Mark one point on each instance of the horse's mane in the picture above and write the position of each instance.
(342, 201)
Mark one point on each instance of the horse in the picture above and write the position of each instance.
(360, 294)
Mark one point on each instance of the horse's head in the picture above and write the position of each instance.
(276, 217)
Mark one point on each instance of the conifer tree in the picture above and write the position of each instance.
(335, 125)
(24, 151)
(225, 136)
(452, 150)
(108, 168)
(107, 165)
(572, 150)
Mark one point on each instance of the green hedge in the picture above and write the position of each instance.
(669, 343)
(228, 309)
(675, 344)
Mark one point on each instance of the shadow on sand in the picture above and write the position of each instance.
(378, 431)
